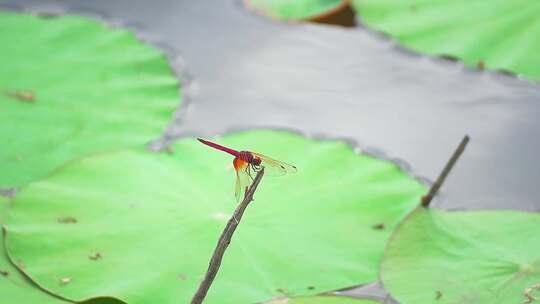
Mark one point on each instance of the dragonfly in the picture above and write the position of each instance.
(247, 164)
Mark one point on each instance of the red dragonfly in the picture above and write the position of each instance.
(247, 164)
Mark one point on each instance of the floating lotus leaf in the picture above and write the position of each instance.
(70, 86)
(142, 227)
(463, 257)
(495, 34)
(329, 300)
(323, 300)
(13, 286)
(293, 10)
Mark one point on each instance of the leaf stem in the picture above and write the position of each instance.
(426, 199)
(224, 240)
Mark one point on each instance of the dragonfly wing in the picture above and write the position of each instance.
(274, 167)
(243, 180)
(237, 187)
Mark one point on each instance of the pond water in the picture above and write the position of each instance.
(243, 71)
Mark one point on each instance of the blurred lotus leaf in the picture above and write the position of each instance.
(71, 86)
(492, 34)
(13, 285)
(322, 300)
(293, 10)
(463, 257)
(143, 226)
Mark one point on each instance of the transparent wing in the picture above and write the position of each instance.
(243, 180)
(274, 167)
(237, 187)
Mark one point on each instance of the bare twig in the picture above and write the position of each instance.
(426, 199)
(224, 241)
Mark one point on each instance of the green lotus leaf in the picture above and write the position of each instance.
(495, 34)
(323, 300)
(478, 257)
(154, 219)
(70, 86)
(13, 286)
(293, 10)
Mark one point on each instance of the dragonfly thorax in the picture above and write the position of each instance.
(249, 158)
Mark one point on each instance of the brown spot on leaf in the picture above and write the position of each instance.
(379, 226)
(438, 295)
(20, 264)
(23, 95)
(311, 287)
(169, 150)
(481, 65)
(96, 256)
(528, 293)
(4, 273)
(182, 277)
(67, 220)
(282, 290)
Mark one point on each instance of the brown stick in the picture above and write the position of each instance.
(224, 241)
(426, 199)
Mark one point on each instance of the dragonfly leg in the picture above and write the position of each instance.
(254, 168)
(248, 171)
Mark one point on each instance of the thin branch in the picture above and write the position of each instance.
(224, 241)
(426, 199)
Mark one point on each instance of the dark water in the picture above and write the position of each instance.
(243, 71)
